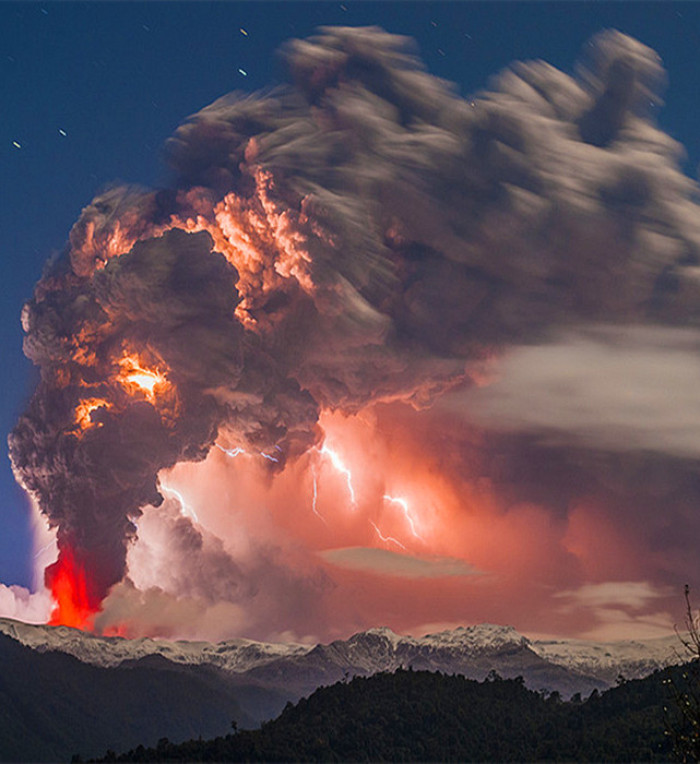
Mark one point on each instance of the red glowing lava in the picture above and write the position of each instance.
(68, 583)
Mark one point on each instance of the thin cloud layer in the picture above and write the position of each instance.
(388, 563)
(622, 389)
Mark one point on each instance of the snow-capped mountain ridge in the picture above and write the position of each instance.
(235, 655)
(484, 636)
(631, 658)
(471, 650)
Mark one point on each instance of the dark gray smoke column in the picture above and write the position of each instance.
(361, 235)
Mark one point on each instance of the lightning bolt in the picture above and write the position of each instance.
(315, 496)
(338, 465)
(44, 548)
(233, 452)
(404, 507)
(386, 538)
(184, 506)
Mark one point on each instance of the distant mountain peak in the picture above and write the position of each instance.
(381, 630)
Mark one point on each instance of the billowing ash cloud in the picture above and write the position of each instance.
(363, 234)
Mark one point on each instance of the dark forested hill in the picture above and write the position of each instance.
(422, 716)
(52, 705)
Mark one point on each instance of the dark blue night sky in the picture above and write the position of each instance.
(92, 90)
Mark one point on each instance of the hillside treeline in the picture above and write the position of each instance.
(423, 716)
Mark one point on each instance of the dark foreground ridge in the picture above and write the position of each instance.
(423, 716)
(52, 705)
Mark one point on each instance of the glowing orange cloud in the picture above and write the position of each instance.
(134, 376)
(258, 237)
(388, 483)
(84, 409)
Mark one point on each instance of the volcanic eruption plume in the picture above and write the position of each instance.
(362, 237)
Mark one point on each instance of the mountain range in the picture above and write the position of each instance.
(180, 689)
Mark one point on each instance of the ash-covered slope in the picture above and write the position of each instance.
(567, 666)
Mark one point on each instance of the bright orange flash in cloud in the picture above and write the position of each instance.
(70, 592)
(84, 409)
(135, 376)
